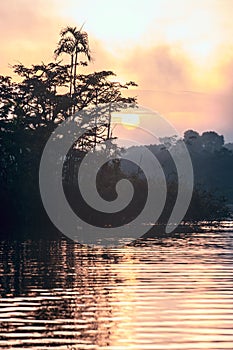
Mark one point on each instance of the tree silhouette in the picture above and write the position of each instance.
(91, 89)
(31, 109)
(48, 94)
(73, 42)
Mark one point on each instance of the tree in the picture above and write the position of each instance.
(73, 42)
(211, 141)
(32, 108)
(91, 89)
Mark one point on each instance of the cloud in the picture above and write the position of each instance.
(163, 69)
(29, 31)
(102, 58)
(159, 68)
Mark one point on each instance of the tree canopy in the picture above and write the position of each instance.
(45, 96)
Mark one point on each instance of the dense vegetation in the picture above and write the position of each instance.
(46, 95)
(213, 170)
(213, 188)
(31, 109)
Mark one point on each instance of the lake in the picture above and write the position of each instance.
(170, 293)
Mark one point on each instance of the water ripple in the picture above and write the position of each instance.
(168, 293)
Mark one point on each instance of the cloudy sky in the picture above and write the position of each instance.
(180, 52)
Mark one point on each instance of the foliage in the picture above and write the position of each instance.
(45, 96)
(31, 109)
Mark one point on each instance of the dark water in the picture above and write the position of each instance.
(168, 294)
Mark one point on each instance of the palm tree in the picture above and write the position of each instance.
(73, 42)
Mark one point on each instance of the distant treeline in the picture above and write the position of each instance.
(213, 188)
(213, 172)
(47, 94)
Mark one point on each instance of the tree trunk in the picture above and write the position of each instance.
(71, 73)
(75, 71)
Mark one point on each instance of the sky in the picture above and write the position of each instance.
(179, 52)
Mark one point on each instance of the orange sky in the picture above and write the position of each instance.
(180, 52)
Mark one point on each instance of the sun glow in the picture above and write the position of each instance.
(162, 45)
(128, 120)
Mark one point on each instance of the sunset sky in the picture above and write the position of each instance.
(180, 52)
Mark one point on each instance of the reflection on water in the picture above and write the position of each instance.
(172, 293)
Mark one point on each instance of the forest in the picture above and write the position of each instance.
(42, 97)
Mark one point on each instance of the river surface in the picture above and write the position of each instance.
(170, 293)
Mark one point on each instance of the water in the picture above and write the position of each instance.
(172, 293)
